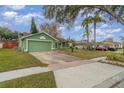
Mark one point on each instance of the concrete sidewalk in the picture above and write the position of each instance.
(21, 73)
(85, 76)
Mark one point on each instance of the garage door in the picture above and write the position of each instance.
(39, 46)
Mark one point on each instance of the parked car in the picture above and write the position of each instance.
(101, 48)
(111, 48)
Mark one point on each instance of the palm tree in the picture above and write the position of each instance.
(68, 13)
(96, 19)
(85, 23)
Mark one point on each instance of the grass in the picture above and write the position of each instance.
(43, 80)
(11, 59)
(120, 49)
(84, 54)
(116, 57)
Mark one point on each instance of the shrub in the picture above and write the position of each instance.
(116, 57)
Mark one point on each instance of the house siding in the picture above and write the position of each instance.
(23, 42)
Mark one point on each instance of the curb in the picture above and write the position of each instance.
(111, 82)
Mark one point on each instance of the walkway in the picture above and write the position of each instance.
(85, 76)
(21, 73)
(116, 81)
(80, 74)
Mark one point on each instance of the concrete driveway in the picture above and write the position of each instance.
(54, 57)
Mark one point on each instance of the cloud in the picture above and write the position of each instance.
(99, 32)
(9, 14)
(113, 30)
(103, 26)
(62, 28)
(15, 7)
(20, 19)
(25, 19)
(109, 35)
(4, 24)
(107, 31)
(77, 28)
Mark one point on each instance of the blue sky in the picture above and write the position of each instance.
(18, 18)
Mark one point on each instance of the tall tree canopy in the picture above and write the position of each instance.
(67, 14)
(33, 27)
(51, 28)
(85, 24)
(7, 34)
(96, 19)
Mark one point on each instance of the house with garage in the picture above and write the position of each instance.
(41, 42)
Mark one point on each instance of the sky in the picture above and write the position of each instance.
(18, 18)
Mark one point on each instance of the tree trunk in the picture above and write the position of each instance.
(87, 36)
(123, 47)
(94, 35)
(72, 49)
(123, 50)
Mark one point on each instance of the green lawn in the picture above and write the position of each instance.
(11, 59)
(116, 57)
(43, 80)
(84, 54)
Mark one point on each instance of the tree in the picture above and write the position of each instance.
(7, 34)
(68, 13)
(85, 24)
(52, 29)
(33, 27)
(96, 19)
(71, 43)
(15, 35)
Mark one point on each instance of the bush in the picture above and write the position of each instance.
(116, 57)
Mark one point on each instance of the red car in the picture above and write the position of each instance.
(101, 48)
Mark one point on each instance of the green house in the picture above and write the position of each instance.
(40, 42)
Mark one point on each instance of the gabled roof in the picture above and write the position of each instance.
(25, 34)
(61, 39)
(38, 34)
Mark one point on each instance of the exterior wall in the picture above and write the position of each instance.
(1, 45)
(40, 37)
(63, 45)
(24, 45)
(79, 46)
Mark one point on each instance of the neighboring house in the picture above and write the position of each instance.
(1, 43)
(8, 43)
(118, 45)
(40, 42)
(112, 44)
(25, 33)
(62, 43)
(81, 44)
